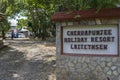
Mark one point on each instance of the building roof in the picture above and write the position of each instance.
(86, 14)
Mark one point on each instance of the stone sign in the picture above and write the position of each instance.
(92, 41)
(95, 40)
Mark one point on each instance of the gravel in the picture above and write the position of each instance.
(27, 60)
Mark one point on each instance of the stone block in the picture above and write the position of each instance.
(113, 67)
(115, 73)
(75, 23)
(109, 21)
(119, 78)
(109, 72)
(91, 22)
(119, 70)
(63, 24)
(83, 22)
(70, 23)
(98, 21)
(106, 69)
(109, 64)
(114, 60)
(98, 68)
(103, 64)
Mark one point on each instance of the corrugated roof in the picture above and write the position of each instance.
(86, 14)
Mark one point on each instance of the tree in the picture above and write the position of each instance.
(21, 23)
(9, 8)
(99, 4)
(87, 4)
(4, 27)
(39, 14)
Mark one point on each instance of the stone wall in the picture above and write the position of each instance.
(86, 67)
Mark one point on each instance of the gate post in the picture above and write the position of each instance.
(87, 44)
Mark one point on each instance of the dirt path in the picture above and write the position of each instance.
(27, 60)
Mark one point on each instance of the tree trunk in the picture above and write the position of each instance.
(3, 34)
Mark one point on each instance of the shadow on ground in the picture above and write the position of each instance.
(14, 66)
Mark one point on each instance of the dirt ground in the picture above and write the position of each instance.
(27, 60)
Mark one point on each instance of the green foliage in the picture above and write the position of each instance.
(9, 8)
(87, 4)
(4, 27)
(39, 12)
(99, 4)
(21, 23)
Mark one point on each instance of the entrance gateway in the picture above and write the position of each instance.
(87, 46)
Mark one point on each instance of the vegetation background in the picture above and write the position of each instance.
(39, 12)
